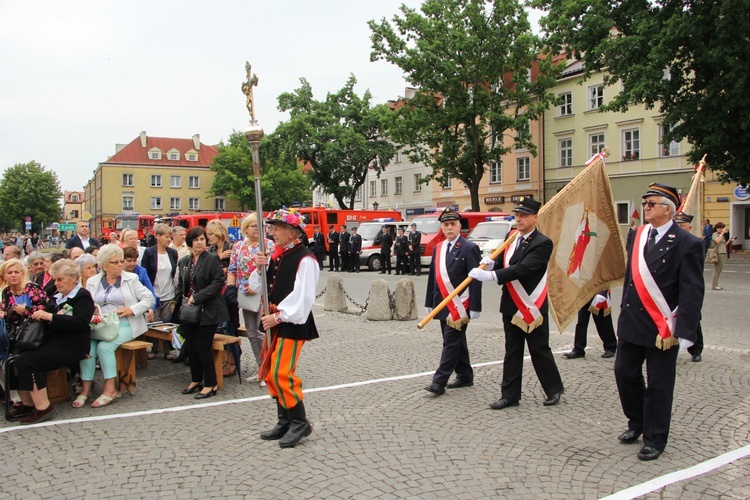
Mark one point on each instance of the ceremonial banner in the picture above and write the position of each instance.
(588, 253)
(692, 205)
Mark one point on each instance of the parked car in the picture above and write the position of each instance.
(491, 234)
(371, 232)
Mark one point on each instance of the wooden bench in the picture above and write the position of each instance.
(217, 350)
(58, 390)
(125, 355)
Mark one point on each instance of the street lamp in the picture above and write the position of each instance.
(375, 205)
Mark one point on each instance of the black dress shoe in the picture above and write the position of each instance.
(696, 358)
(435, 389)
(190, 390)
(608, 354)
(629, 436)
(574, 355)
(459, 383)
(208, 394)
(554, 399)
(649, 453)
(502, 404)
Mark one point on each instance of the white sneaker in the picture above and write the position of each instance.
(251, 378)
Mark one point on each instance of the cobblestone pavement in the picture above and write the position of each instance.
(378, 434)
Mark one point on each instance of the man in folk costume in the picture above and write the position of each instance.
(452, 260)
(661, 303)
(523, 274)
(600, 307)
(293, 274)
(685, 221)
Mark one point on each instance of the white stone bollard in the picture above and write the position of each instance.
(405, 301)
(379, 304)
(335, 299)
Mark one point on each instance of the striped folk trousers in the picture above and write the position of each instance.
(283, 382)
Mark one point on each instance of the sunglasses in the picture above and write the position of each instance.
(651, 204)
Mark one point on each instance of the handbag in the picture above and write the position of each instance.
(29, 336)
(711, 256)
(108, 329)
(190, 313)
(248, 302)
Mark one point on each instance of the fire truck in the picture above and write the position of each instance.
(324, 217)
(134, 221)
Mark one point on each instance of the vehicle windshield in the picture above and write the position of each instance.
(427, 225)
(490, 231)
(128, 224)
(369, 231)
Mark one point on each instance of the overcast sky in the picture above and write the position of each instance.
(79, 77)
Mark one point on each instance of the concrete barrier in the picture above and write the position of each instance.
(379, 303)
(404, 301)
(335, 298)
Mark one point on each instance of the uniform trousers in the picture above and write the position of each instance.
(333, 258)
(454, 357)
(345, 265)
(415, 264)
(647, 408)
(282, 380)
(541, 359)
(604, 328)
(697, 348)
(402, 266)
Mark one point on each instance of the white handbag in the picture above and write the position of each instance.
(248, 302)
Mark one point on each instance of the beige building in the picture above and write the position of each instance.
(155, 176)
(730, 204)
(73, 206)
(575, 130)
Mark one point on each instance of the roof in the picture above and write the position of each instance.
(135, 154)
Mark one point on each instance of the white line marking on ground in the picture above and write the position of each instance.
(681, 475)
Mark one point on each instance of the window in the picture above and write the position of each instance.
(399, 185)
(175, 203)
(155, 155)
(672, 148)
(631, 144)
(358, 194)
(156, 203)
(523, 133)
(446, 183)
(175, 181)
(192, 157)
(127, 201)
(156, 181)
(174, 156)
(523, 168)
(194, 203)
(596, 97)
(74, 214)
(565, 108)
(496, 172)
(623, 215)
(417, 183)
(74, 198)
(566, 152)
(373, 189)
(127, 180)
(399, 157)
(383, 187)
(597, 143)
(194, 182)
(219, 204)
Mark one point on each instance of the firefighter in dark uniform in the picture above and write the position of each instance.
(386, 244)
(319, 246)
(355, 248)
(415, 239)
(402, 247)
(344, 249)
(333, 249)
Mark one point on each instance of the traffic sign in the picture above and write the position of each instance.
(67, 227)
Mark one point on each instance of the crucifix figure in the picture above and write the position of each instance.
(247, 89)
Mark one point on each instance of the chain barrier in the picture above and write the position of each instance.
(321, 293)
(392, 303)
(362, 308)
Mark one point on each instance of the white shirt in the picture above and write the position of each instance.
(163, 284)
(661, 230)
(85, 242)
(296, 307)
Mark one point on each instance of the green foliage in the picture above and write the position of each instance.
(339, 137)
(702, 45)
(470, 61)
(282, 180)
(29, 189)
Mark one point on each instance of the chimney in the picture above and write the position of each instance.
(197, 142)
(410, 92)
(143, 139)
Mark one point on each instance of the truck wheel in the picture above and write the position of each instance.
(374, 263)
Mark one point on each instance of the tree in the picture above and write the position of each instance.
(282, 180)
(340, 137)
(470, 60)
(688, 58)
(29, 190)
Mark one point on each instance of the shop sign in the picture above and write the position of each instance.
(741, 193)
(443, 204)
(517, 198)
(494, 200)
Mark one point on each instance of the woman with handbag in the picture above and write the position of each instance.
(719, 245)
(65, 320)
(202, 309)
(119, 292)
(241, 266)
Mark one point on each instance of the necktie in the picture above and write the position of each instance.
(449, 247)
(651, 240)
(520, 242)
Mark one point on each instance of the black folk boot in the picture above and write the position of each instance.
(281, 427)
(299, 427)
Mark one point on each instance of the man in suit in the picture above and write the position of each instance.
(344, 238)
(685, 221)
(355, 248)
(600, 307)
(661, 303)
(81, 239)
(333, 249)
(386, 242)
(319, 246)
(523, 274)
(452, 260)
(401, 248)
(415, 239)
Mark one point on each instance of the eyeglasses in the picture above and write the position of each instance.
(650, 204)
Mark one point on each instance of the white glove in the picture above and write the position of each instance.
(481, 274)
(474, 314)
(685, 344)
(427, 310)
(489, 264)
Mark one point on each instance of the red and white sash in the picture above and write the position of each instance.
(459, 306)
(528, 315)
(650, 295)
(601, 303)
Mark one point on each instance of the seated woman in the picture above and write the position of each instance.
(87, 263)
(35, 264)
(113, 290)
(67, 341)
(44, 279)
